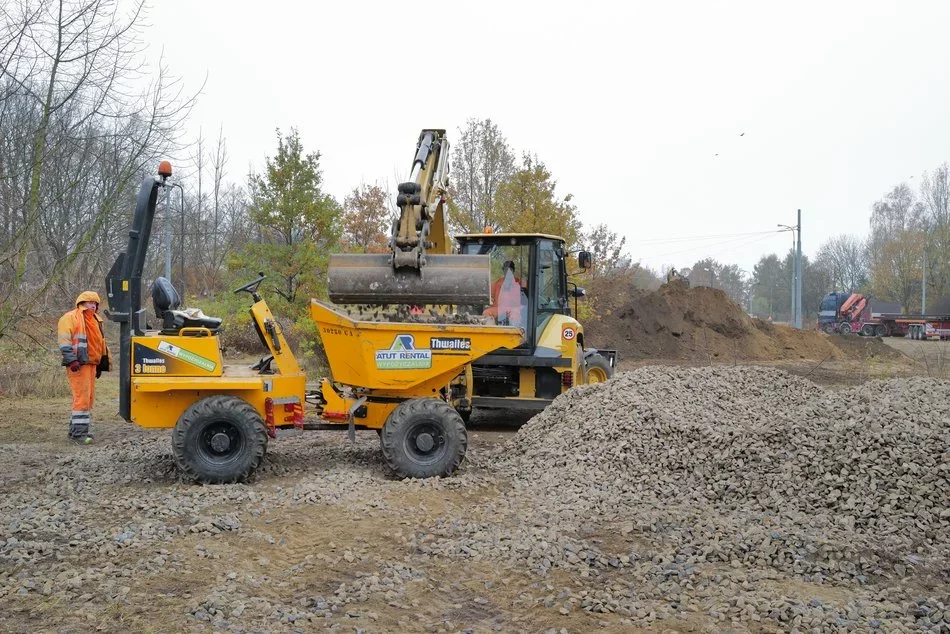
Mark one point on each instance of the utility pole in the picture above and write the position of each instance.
(792, 287)
(798, 275)
(923, 288)
(795, 281)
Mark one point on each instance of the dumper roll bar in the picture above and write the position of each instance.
(124, 284)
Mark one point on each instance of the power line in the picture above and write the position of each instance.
(732, 244)
(700, 238)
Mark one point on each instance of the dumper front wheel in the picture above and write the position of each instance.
(424, 437)
(219, 439)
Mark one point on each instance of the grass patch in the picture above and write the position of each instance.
(33, 380)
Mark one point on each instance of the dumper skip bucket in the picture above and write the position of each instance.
(401, 356)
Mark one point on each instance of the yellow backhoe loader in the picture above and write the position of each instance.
(508, 344)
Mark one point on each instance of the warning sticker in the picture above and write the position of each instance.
(186, 356)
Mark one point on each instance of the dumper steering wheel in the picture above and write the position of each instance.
(251, 287)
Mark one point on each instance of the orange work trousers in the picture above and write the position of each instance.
(83, 385)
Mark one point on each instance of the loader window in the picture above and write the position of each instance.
(552, 296)
(550, 278)
(510, 280)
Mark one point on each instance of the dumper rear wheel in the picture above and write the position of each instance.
(424, 437)
(219, 439)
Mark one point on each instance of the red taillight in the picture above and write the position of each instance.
(335, 415)
(567, 379)
(269, 417)
(293, 413)
(298, 416)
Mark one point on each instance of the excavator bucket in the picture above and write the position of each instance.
(443, 279)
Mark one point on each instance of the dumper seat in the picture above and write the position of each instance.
(167, 305)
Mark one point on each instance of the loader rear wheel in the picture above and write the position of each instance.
(424, 437)
(219, 439)
(597, 369)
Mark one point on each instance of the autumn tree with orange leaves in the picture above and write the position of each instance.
(366, 220)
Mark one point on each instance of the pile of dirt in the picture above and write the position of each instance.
(703, 324)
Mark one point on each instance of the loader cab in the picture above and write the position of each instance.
(528, 279)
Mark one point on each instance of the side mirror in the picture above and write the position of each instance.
(578, 292)
(584, 260)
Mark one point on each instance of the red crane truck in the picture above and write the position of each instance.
(847, 313)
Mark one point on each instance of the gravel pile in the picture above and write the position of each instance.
(745, 467)
(859, 476)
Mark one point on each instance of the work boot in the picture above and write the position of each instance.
(84, 439)
(79, 432)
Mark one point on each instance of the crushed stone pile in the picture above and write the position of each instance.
(703, 324)
(851, 483)
(733, 492)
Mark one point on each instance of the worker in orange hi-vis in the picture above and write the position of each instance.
(82, 343)
(507, 297)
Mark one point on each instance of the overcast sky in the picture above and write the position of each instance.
(636, 108)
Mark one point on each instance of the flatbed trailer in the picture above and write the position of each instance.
(846, 313)
(918, 327)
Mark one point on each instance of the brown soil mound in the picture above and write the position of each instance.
(703, 324)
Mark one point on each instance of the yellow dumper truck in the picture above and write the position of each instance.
(511, 343)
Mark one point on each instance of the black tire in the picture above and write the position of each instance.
(829, 329)
(597, 362)
(881, 330)
(219, 439)
(867, 330)
(424, 437)
(844, 328)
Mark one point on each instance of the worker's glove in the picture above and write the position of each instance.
(98, 372)
(74, 366)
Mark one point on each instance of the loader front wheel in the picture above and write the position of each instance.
(219, 439)
(424, 437)
(597, 369)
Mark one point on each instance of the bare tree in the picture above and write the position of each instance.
(845, 257)
(76, 139)
(482, 161)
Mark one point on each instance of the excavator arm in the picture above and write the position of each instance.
(421, 267)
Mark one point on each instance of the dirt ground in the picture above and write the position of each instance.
(323, 519)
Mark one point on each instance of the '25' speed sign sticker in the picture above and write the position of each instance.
(568, 333)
